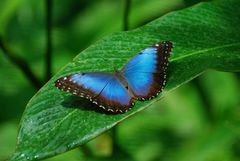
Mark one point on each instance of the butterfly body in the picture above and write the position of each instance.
(143, 77)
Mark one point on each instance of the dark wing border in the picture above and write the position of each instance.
(163, 52)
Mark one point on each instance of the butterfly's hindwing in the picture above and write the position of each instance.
(115, 97)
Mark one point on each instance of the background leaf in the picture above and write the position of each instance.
(205, 36)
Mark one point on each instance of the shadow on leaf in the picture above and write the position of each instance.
(83, 104)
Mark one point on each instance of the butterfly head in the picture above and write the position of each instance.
(116, 71)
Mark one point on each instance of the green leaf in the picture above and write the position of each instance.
(205, 36)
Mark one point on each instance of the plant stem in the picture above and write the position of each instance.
(49, 39)
(85, 150)
(126, 15)
(21, 64)
(114, 140)
(207, 106)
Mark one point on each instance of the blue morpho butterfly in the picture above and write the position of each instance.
(143, 77)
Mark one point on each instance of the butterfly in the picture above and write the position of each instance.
(142, 78)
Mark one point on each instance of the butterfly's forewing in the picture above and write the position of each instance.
(86, 85)
(103, 89)
(146, 72)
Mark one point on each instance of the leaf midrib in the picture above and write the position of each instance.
(204, 51)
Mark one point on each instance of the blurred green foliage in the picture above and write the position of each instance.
(189, 124)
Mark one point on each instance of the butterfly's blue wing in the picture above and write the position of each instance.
(103, 89)
(115, 97)
(142, 78)
(146, 72)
